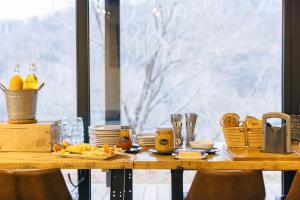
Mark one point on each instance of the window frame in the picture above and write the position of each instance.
(290, 68)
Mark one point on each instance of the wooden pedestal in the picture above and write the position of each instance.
(27, 137)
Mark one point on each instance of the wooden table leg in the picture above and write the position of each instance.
(84, 186)
(177, 184)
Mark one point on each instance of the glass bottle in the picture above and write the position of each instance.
(125, 138)
(31, 81)
(164, 140)
(16, 82)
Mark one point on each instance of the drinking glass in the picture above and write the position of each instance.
(65, 130)
(77, 130)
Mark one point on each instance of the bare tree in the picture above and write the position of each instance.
(155, 69)
(193, 42)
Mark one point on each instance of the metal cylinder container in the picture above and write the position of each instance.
(21, 105)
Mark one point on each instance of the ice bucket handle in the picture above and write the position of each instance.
(2, 87)
(41, 86)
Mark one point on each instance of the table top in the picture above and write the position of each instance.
(30, 160)
(242, 154)
(221, 161)
(146, 160)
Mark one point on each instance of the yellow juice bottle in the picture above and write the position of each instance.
(16, 82)
(31, 81)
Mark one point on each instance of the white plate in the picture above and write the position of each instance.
(102, 142)
(105, 128)
(150, 141)
(107, 133)
(85, 156)
(146, 142)
(113, 139)
(146, 137)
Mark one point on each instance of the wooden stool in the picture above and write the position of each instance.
(33, 185)
(294, 193)
(227, 185)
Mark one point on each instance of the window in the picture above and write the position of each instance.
(207, 57)
(41, 32)
(97, 69)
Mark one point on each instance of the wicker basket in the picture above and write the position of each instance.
(243, 136)
(254, 136)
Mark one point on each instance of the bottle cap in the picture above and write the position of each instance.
(17, 69)
(32, 67)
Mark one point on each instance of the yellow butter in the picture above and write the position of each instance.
(182, 154)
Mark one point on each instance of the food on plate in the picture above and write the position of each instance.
(79, 148)
(230, 120)
(62, 146)
(86, 149)
(65, 144)
(57, 148)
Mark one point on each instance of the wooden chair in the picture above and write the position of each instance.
(227, 185)
(294, 193)
(33, 185)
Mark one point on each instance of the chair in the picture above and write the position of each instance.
(227, 185)
(33, 185)
(294, 193)
(7, 189)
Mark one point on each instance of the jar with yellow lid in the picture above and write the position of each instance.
(164, 140)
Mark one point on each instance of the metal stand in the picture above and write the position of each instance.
(128, 184)
(287, 179)
(84, 187)
(280, 198)
(121, 184)
(177, 184)
(108, 178)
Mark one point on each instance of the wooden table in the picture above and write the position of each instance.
(237, 159)
(253, 160)
(121, 168)
(27, 160)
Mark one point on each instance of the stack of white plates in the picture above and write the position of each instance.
(106, 134)
(147, 139)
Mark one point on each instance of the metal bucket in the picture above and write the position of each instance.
(21, 105)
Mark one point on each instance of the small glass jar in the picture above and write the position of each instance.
(164, 140)
(125, 139)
